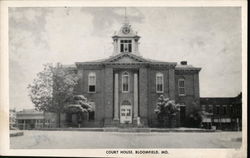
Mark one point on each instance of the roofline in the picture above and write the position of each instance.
(163, 63)
(188, 68)
(126, 36)
(143, 60)
(134, 63)
(87, 62)
(218, 97)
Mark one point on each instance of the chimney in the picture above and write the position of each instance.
(183, 62)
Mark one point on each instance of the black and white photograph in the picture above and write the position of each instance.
(146, 79)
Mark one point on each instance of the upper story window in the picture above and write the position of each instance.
(224, 107)
(92, 82)
(217, 110)
(231, 110)
(125, 82)
(126, 46)
(159, 83)
(181, 87)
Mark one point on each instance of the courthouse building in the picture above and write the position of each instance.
(126, 86)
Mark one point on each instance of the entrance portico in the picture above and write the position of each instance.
(126, 95)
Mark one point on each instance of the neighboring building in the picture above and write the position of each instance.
(224, 113)
(12, 118)
(126, 86)
(32, 119)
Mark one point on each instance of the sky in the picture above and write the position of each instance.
(206, 37)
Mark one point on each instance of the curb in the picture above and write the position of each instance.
(15, 134)
(71, 129)
(110, 129)
(176, 130)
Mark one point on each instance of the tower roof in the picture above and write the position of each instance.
(126, 30)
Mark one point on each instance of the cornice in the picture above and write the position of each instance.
(187, 71)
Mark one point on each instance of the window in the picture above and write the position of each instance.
(125, 82)
(224, 110)
(126, 46)
(181, 84)
(159, 83)
(210, 108)
(231, 110)
(92, 82)
(217, 109)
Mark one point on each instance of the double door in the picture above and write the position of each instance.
(126, 114)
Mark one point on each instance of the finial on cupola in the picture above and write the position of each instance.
(125, 17)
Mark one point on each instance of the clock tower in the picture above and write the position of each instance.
(126, 40)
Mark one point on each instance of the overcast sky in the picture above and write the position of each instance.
(209, 38)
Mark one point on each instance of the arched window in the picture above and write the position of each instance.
(92, 82)
(125, 82)
(181, 87)
(159, 83)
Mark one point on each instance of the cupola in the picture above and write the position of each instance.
(126, 40)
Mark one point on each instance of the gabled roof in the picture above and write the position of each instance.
(118, 57)
(126, 58)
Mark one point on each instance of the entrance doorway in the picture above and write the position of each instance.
(126, 112)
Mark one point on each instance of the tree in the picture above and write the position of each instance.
(194, 118)
(166, 111)
(52, 89)
(40, 91)
(78, 105)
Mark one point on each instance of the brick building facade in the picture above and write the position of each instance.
(126, 86)
(224, 113)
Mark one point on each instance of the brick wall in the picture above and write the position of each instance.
(153, 95)
(191, 97)
(169, 90)
(97, 96)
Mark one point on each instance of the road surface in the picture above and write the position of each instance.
(87, 139)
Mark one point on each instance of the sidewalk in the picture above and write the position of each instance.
(116, 129)
(14, 133)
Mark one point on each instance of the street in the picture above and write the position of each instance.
(87, 139)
